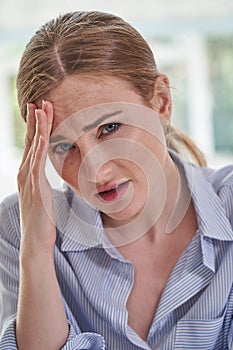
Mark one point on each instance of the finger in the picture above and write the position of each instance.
(48, 109)
(31, 122)
(41, 131)
(38, 164)
(39, 127)
(44, 117)
(30, 132)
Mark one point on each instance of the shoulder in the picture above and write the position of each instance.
(219, 178)
(222, 182)
(10, 205)
(9, 219)
(10, 213)
(9, 208)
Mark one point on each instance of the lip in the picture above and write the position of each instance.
(113, 192)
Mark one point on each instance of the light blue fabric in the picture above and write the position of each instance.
(196, 307)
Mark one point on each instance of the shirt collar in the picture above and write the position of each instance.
(83, 229)
(211, 216)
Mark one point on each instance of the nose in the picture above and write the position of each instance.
(104, 174)
(96, 165)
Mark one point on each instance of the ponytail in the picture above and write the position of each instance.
(178, 141)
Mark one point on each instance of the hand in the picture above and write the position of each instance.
(35, 194)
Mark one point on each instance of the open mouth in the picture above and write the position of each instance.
(113, 193)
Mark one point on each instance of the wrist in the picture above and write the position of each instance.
(36, 253)
(38, 243)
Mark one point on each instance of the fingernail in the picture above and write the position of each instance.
(37, 115)
(43, 105)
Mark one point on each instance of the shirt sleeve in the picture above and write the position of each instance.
(87, 341)
(9, 286)
(9, 271)
(82, 341)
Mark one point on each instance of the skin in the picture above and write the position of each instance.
(153, 254)
(41, 313)
(75, 95)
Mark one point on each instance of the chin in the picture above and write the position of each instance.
(122, 217)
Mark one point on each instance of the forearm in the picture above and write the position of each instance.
(41, 319)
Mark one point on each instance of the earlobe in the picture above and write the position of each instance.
(162, 97)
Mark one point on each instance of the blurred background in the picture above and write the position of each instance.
(193, 44)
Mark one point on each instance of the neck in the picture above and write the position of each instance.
(178, 199)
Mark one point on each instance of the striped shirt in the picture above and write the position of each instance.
(196, 307)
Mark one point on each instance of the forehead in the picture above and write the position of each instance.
(136, 115)
(77, 93)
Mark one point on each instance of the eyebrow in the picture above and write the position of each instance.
(86, 128)
(100, 120)
(56, 138)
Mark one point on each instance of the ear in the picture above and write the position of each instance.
(162, 97)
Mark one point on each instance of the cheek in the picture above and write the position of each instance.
(69, 172)
(67, 169)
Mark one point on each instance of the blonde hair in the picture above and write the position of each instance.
(91, 43)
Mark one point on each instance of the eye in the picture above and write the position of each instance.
(109, 128)
(62, 148)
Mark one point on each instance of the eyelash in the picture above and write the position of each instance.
(116, 128)
(57, 149)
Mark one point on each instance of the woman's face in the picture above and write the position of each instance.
(107, 144)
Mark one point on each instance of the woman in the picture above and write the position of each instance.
(136, 251)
